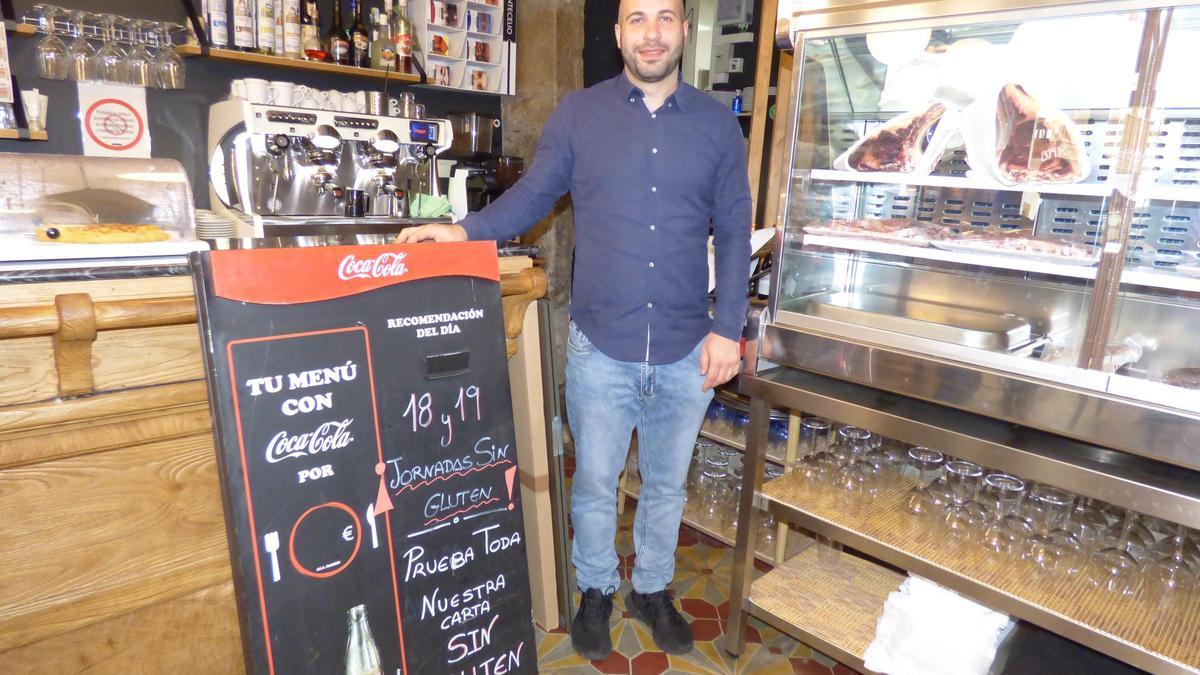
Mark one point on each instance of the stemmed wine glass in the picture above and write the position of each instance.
(1047, 511)
(1086, 523)
(1168, 578)
(815, 459)
(110, 58)
(138, 61)
(853, 473)
(1113, 567)
(1002, 494)
(918, 501)
(965, 515)
(53, 59)
(80, 53)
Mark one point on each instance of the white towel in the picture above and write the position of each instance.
(930, 630)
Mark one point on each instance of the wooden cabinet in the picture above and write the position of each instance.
(114, 555)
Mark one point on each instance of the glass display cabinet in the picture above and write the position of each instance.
(988, 242)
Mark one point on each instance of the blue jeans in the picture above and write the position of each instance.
(606, 399)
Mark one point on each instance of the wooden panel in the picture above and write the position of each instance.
(298, 64)
(98, 536)
(90, 436)
(27, 370)
(137, 358)
(196, 633)
(27, 295)
(762, 104)
(14, 420)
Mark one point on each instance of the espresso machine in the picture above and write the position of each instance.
(484, 174)
(280, 171)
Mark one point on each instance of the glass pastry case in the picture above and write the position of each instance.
(1015, 193)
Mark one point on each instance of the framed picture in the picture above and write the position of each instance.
(483, 22)
(481, 51)
(479, 80)
(439, 45)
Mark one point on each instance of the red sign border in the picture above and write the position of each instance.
(87, 125)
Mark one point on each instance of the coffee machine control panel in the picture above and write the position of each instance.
(273, 120)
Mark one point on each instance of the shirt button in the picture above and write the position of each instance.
(653, 116)
(651, 227)
(631, 99)
(654, 189)
(668, 105)
(652, 264)
(649, 305)
(654, 151)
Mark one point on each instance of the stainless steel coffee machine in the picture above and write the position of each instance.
(281, 171)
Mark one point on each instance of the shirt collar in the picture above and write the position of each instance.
(681, 98)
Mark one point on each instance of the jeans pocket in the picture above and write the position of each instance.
(577, 342)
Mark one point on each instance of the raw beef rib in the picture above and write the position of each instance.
(898, 144)
(1032, 146)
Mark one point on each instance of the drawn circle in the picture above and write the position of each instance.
(110, 120)
(326, 573)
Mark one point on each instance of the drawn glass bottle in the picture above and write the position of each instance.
(362, 656)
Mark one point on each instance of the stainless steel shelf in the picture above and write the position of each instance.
(796, 542)
(1155, 488)
(1135, 630)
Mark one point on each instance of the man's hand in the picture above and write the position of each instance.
(719, 360)
(436, 232)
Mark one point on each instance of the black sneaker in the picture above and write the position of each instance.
(671, 631)
(590, 633)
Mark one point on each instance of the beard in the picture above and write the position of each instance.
(653, 72)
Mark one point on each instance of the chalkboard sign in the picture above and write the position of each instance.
(366, 448)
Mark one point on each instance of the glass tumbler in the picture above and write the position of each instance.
(926, 461)
(1047, 510)
(965, 514)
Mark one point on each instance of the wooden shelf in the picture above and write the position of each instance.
(21, 29)
(1134, 629)
(12, 135)
(831, 605)
(797, 542)
(297, 64)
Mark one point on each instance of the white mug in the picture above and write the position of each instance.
(237, 88)
(301, 96)
(348, 103)
(360, 101)
(281, 93)
(333, 99)
(257, 90)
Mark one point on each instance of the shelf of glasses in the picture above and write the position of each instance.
(13, 134)
(830, 603)
(1144, 633)
(796, 542)
(739, 445)
(296, 64)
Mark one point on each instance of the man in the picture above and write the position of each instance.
(649, 162)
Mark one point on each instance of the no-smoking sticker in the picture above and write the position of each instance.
(114, 120)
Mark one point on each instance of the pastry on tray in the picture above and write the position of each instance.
(104, 233)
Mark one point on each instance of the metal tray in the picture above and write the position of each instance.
(946, 323)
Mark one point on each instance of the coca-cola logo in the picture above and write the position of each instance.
(382, 266)
(328, 436)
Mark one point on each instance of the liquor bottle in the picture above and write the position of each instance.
(310, 32)
(264, 18)
(278, 7)
(383, 50)
(362, 656)
(243, 25)
(291, 29)
(336, 42)
(360, 39)
(218, 24)
(402, 36)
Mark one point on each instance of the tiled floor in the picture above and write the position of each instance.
(703, 568)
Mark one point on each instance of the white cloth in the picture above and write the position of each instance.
(930, 630)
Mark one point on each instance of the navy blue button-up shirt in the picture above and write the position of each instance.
(645, 187)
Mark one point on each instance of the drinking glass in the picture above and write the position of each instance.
(1184, 540)
(1001, 495)
(53, 60)
(715, 497)
(919, 502)
(738, 423)
(110, 58)
(1047, 510)
(853, 474)
(80, 53)
(1113, 567)
(766, 533)
(168, 64)
(1138, 540)
(138, 61)
(1168, 579)
(964, 480)
(814, 451)
(701, 451)
(714, 418)
(1087, 523)
(777, 437)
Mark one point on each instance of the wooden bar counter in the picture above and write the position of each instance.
(113, 552)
